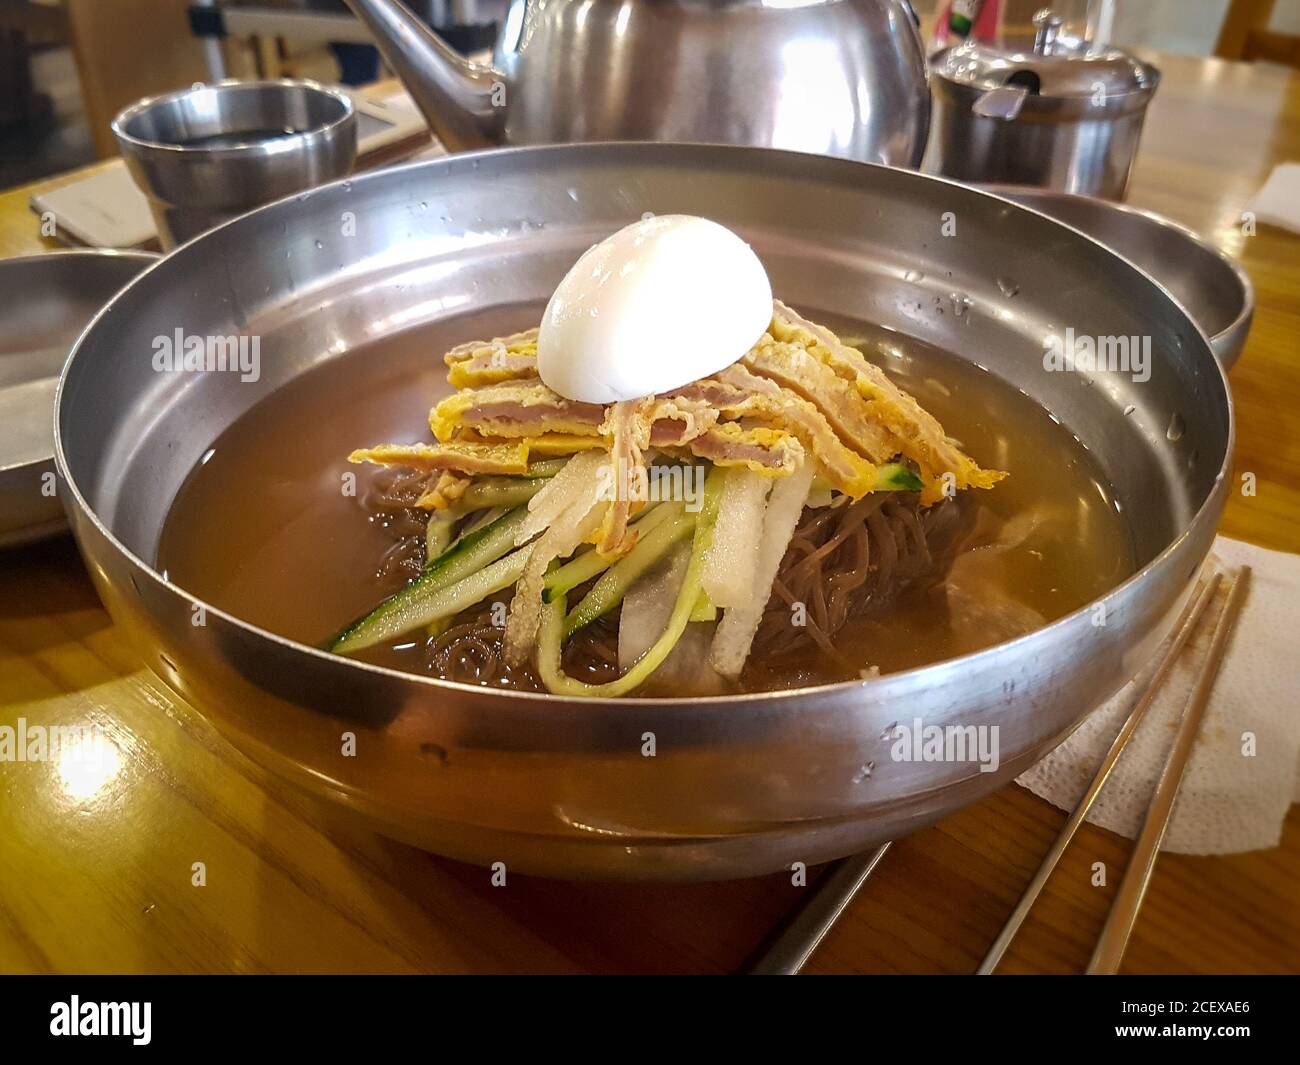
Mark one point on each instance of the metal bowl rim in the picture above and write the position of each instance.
(131, 111)
(1008, 192)
(37, 258)
(490, 694)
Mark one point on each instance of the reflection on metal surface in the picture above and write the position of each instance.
(813, 84)
(1214, 289)
(840, 77)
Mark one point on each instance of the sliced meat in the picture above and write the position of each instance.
(515, 409)
(919, 435)
(739, 393)
(795, 368)
(763, 450)
(462, 457)
(552, 444)
(676, 420)
(487, 362)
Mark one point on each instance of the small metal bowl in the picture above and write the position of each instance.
(1212, 287)
(210, 153)
(48, 300)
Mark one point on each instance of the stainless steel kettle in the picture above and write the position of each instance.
(839, 77)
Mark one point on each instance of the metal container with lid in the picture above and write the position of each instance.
(1064, 115)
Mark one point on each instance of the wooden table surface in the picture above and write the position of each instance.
(96, 866)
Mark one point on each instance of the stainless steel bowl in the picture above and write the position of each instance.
(47, 301)
(208, 153)
(739, 785)
(1212, 287)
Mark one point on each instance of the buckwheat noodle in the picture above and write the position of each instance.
(843, 562)
(389, 501)
(846, 561)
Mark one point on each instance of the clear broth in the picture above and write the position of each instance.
(263, 528)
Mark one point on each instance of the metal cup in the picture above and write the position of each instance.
(207, 154)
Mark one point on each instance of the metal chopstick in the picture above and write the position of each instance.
(1183, 628)
(1132, 889)
(793, 944)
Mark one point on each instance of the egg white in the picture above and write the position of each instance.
(657, 305)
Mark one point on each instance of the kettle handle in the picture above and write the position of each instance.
(459, 99)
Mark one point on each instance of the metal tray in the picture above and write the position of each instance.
(1212, 287)
(48, 299)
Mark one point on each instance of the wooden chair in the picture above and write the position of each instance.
(1245, 35)
(22, 25)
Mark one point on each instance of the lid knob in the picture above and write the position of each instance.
(1047, 26)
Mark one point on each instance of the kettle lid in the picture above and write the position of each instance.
(1053, 67)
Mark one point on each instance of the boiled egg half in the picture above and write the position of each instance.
(661, 303)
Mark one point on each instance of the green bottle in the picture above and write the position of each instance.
(962, 18)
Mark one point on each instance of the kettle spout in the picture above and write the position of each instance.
(456, 97)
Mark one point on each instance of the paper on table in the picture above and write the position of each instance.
(401, 101)
(1278, 202)
(1231, 799)
(102, 210)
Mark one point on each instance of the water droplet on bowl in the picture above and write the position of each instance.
(1008, 287)
(1176, 427)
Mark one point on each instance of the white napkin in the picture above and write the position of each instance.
(1278, 202)
(1231, 800)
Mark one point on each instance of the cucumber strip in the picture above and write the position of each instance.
(480, 519)
(475, 550)
(704, 609)
(581, 569)
(499, 492)
(546, 467)
(608, 592)
(891, 477)
(419, 604)
(551, 635)
(438, 534)
(895, 477)
(472, 552)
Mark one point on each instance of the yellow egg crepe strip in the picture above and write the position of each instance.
(511, 458)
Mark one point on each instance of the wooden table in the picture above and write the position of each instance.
(95, 869)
